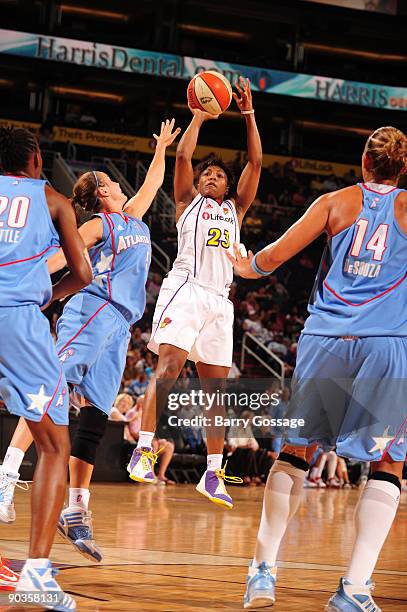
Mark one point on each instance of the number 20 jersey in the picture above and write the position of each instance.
(206, 231)
(361, 286)
(27, 238)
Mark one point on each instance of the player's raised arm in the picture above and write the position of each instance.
(184, 189)
(91, 233)
(311, 225)
(141, 202)
(250, 177)
(75, 252)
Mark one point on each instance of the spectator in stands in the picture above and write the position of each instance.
(139, 384)
(153, 287)
(298, 198)
(87, 119)
(330, 183)
(316, 184)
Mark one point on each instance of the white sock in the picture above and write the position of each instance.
(282, 497)
(36, 563)
(79, 498)
(331, 463)
(374, 516)
(145, 439)
(13, 460)
(214, 462)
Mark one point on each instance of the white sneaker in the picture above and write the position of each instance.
(8, 483)
(40, 584)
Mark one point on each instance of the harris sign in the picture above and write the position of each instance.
(136, 61)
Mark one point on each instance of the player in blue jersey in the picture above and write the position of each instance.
(350, 381)
(33, 220)
(94, 328)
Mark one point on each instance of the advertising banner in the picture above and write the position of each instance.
(96, 55)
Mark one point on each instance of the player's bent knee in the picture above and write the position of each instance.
(169, 368)
(295, 461)
(386, 477)
(91, 429)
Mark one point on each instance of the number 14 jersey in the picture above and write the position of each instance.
(207, 229)
(361, 286)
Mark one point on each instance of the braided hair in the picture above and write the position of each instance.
(16, 147)
(386, 149)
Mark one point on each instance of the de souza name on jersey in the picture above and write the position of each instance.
(127, 242)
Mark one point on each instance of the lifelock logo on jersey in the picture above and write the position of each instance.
(216, 217)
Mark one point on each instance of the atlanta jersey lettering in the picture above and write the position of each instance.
(361, 286)
(206, 231)
(27, 238)
(120, 264)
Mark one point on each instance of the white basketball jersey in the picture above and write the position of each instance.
(206, 231)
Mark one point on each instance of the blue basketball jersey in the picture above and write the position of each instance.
(361, 286)
(27, 238)
(120, 264)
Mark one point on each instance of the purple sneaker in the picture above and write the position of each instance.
(141, 466)
(212, 485)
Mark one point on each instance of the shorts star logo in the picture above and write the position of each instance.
(38, 400)
(104, 263)
(381, 442)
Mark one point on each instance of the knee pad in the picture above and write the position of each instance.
(296, 462)
(385, 476)
(91, 429)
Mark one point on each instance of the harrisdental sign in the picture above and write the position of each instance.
(124, 59)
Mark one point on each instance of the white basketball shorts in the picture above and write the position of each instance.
(194, 319)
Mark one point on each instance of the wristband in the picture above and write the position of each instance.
(256, 268)
(250, 112)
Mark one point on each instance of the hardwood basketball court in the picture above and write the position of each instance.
(168, 549)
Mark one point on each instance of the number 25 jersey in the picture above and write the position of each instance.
(206, 232)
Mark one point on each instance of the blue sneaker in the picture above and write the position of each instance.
(351, 598)
(260, 587)
(40, 582)
(75, 526)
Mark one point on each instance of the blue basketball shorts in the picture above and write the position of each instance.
(92, 343)
(32, 383)
(352, 394)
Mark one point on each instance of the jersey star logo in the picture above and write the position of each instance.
(104, 263)
(38, 400)
(120, 228)
(381, 442)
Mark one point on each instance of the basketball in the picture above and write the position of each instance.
(210, 91)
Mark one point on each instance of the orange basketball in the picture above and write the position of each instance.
(210, 91)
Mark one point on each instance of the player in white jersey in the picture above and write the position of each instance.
(193, 318)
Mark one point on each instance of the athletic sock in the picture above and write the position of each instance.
(214, 462)
(36, 563)
(78, 499)
(13, 460)
(145, 439)
(282, 498)
(374, 515)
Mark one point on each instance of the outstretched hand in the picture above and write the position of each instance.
(242, 262)
(167, 136)
(202, 115)
(244, 100)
